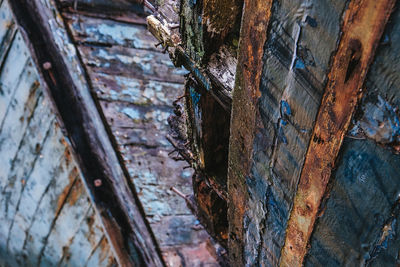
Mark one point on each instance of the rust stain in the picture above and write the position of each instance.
(363, 26)
(104, 250)
(72, 177)
(256, 16)
(76, 191)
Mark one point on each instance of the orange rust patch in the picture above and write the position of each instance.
(363, 26)
(64, 194)
(76, 191)
(256, 16)
(104, 249)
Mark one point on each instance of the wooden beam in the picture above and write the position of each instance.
(255, 19)
(104, 174)
(363, 26)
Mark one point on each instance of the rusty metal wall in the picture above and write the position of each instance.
(46, 217)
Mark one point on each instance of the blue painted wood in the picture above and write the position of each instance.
(296, 65)
(359, 222)
(365, 189)
(136, 86)
(37, 169)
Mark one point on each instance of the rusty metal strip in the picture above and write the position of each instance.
(363, 26)
(253, 34)
(104, 174)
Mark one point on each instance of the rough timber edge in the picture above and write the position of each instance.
(253, 35)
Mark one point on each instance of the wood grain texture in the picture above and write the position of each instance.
(256, 15)
(350, 65)
(38, 174)
(115, 200)
(296, 66)
(363, 196)
(359, 223)
(136, 98)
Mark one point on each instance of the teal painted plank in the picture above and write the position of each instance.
(11, 71)
(89, 30)
(296, 65)
(364, 191)
(73, 214)
(7, 29)
(131, 62)
(83, 242)
(135, 91)
(360, 223)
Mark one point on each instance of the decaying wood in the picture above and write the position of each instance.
(350, 65)
(136, 93)
(115, 200)
(255, 20)
(356, 224)
(43, 203)
(209, 184)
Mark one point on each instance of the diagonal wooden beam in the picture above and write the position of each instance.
(253, 34)
(104, 174)
(363, 26)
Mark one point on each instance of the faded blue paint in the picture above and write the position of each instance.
(380, 121)
(36, 168)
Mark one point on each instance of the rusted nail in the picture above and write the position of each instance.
(179, 193)
(47, 65)
(98, 182)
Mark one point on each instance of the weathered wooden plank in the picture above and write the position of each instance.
(87, 30)
(295, 70)
(350, 65)
(35, 230)
(7, 29)
(118, 10)
(359, 222)
(14, 130)
(153, 173)
(123, 115)
(136, 63)
(22, 212)
(36, 215)
(27, 155)
(115, 199)
(10, 72)
(17, 117)
(74, 213)
(137, 110)
(135, 91)
(101, 256)
(362, 196)
(255, 18)
(83, 243)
